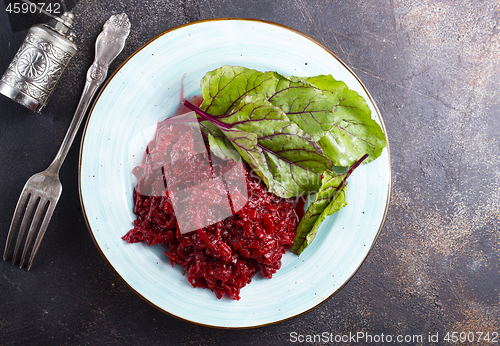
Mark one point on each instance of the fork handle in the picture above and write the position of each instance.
(87, 95)
(109, 44)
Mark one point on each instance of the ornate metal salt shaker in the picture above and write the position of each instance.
(35, 71)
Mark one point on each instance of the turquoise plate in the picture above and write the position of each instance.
(146, 89)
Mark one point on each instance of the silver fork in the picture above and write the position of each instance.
(42, 191)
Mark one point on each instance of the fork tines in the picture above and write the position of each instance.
(30, 209)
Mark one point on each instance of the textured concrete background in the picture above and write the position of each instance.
(432, 68)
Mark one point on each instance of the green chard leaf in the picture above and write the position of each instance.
(330, 198)
(222, 147)
(334, 116)
(246, 145)
(224, 87)
(240, 138)
(304, 104)
(326, 83)
(354, 132)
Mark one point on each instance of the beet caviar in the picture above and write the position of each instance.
(230, 241)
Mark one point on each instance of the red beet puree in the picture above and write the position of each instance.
(180, 186)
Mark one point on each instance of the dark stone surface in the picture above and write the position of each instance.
(433, 69)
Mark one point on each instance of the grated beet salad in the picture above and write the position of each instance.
(225, 252)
